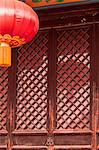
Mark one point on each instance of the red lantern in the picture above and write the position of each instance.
(18, 25)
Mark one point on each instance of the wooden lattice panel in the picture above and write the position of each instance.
(3, 97)
(73, 79)
(32, 84)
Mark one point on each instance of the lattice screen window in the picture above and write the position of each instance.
(73, 79)
(3, 97)
(32, 84)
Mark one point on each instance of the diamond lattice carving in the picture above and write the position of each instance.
(73, 79)
(3, 97)
(32, 84)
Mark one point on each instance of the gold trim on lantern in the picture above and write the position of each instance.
(14, 41)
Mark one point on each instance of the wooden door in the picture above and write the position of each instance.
(49, 97)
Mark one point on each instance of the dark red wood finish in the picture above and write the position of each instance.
(32, 118)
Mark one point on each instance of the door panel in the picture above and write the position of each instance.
(31, 94)
(66, 121)
(73, 98)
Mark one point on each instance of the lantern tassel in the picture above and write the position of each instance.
(5, 55)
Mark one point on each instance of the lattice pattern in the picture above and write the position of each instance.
(3, 97)
(32, 84)
(73, 79)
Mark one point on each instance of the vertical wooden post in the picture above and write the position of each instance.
(11, 98)
(94, 125)
(97, 71)
(93, 86)
(51, 87)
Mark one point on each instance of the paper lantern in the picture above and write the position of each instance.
(18, 25)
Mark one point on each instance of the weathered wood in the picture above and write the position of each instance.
(79, 135)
